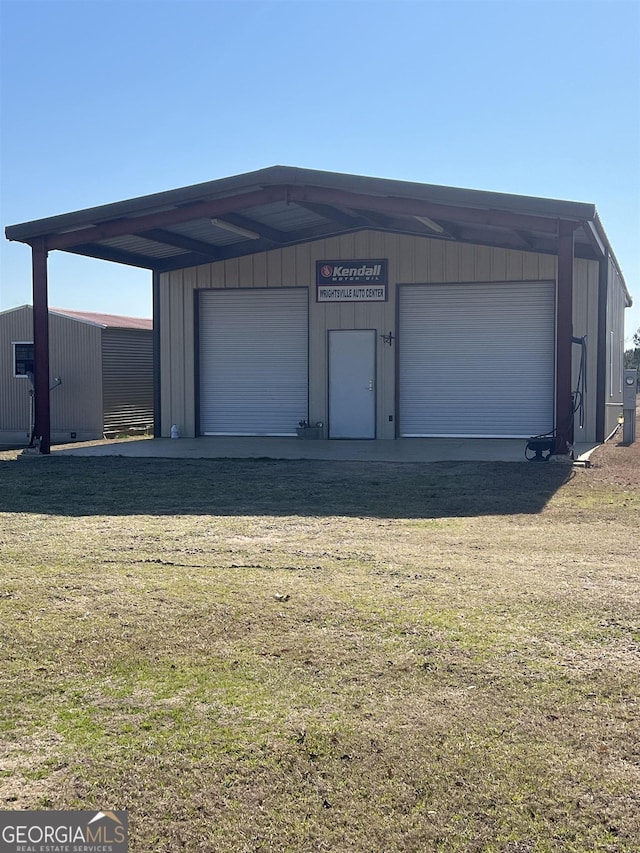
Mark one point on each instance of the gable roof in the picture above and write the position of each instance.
(283, 206)
(105, 321)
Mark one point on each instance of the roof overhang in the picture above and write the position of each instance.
(283, 206)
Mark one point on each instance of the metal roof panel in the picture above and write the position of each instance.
(141, 246)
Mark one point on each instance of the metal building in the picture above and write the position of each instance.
(100, 375)
(380, 309)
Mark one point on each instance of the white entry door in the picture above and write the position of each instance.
(352, 384)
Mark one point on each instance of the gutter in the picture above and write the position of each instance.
(599, 232)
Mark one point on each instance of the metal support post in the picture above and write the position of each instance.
(564, 337)
(42, 420)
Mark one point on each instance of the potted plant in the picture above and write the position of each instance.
(308, 430)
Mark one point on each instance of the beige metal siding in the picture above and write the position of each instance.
(615, 348)
(76, 405)
(585, 324)
(127, 379)
(178, 339)
(14, 392)
(412, 260)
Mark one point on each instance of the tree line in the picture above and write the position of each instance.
(632, 356)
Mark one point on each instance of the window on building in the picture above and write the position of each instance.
(22, 358)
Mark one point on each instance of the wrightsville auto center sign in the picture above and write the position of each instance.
(351, 281)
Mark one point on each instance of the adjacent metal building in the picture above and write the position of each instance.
(380, 309)
(100, 375)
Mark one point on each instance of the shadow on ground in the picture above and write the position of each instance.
(115, 486)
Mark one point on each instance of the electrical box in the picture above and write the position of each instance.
(629, 388)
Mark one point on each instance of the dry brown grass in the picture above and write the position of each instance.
(455, 667)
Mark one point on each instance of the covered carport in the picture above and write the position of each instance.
(281, 207)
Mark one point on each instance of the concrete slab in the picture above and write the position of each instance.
(230, 447)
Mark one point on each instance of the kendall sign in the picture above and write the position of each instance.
(351, 281)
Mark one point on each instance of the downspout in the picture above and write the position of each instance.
(42, 419)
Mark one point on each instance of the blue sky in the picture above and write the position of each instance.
(103, 101)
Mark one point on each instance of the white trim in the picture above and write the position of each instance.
(14, 344)
(58, 313)
(11, 310)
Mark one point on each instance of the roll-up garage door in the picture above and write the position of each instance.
(477, 360)
(253, 361)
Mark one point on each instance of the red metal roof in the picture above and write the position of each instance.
(107, 320)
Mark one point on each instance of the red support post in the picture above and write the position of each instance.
(564, 335)
(42, 430)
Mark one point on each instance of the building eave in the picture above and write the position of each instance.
(283, 206)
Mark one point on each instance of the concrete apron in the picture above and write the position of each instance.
(241, 447)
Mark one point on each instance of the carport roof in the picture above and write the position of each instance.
(283, 206)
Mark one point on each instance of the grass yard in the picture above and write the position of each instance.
(304, 656)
